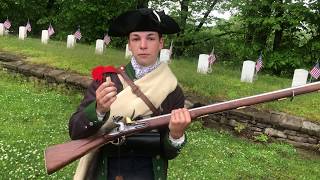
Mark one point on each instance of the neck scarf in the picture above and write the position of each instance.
(140, 71)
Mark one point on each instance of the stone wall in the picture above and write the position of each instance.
(50, 74)
(277, 126)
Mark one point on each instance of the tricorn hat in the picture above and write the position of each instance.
(143, 20)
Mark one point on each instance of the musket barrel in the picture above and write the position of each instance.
(256, 99)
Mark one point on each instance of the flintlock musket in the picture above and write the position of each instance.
(58, 156)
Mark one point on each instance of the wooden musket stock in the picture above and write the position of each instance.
(58, 156)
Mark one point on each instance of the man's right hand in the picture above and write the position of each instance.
(105, 96)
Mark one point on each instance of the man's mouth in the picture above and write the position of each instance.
(143, 55)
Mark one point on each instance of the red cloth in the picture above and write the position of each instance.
(97, 72)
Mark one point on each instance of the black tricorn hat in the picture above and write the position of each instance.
(143, 20)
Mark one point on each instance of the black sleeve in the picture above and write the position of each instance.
(81, 123)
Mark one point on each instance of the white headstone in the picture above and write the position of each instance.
(99, 46)
(203, 63)
(248, 69)
(128, 52)
(1, 29)
(22, 32)
(300, 77)
(165, 55)
(44, 37)
(71, 41)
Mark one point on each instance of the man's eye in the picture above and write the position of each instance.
(151, 38)
(135, 39)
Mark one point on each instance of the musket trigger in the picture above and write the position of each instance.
(291, 99)
(119, 141)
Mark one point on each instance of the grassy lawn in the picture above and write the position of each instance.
(223, 84)
(34, 116)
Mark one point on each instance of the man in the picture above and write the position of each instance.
(144, 155)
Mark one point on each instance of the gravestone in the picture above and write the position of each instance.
(1, 29)
(203, 63)
(22, 32)
(300, 77)
(128, 52)
(44, 37)
(71, 41)
(165, 55)
(99, 46)
(248, 69)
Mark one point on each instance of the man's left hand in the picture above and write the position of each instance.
(180, 120)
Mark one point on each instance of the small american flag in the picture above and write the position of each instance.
(50, 30)
(77, 34)
(212, 57)
(28, 26)
(259, 63)
(315, 72)
(171, 48)
(106, 39)
(7, 24)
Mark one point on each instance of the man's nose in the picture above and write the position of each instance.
(143, 44)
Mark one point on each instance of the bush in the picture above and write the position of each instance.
(261, 138)
(284, 62)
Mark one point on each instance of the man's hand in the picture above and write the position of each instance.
(180, 120)
(105, 96)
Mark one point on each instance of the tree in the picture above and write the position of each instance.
(191, 16)
(31, 10)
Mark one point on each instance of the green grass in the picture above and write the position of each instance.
(223, 84)
(217, 155)
(34, 116)
(31, 118)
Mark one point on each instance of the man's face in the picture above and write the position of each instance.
(145, 46)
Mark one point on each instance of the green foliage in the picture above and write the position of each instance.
(261, 138)
(283, 63)
(93, 17)
(240, 127)
(286, 32)
(31, 10)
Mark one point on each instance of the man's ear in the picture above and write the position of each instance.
(129, 47)
(161, 40)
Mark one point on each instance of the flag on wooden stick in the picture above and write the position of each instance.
(171, 49)
(259, 63)
(28, 26)
(106, 39)
(50, 30)
(212, 57)
(78, 34)
(7, 24)
(315, 71)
